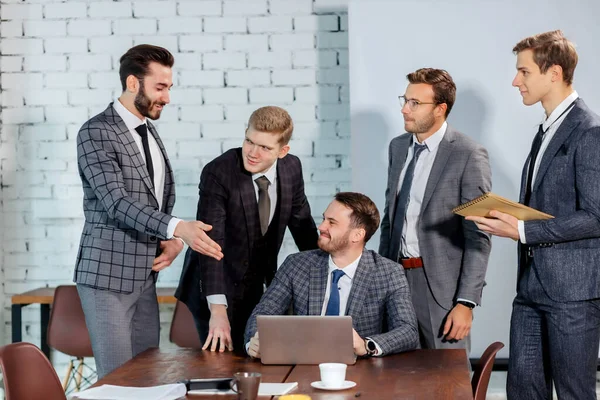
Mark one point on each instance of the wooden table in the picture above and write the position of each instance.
(45, 297)
(420, 374)
(159, 367)
(416, 375)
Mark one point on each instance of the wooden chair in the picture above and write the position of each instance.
(28, 374)
(68, 333)
(183, 329)
(483, 371)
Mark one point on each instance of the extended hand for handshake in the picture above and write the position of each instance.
(193, 233)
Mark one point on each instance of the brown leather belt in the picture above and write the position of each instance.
(408, 263)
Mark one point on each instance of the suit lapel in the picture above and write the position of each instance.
(401, 149)
(248, 198)
(284, 193)
(169, 179)
(439, 164)
(131, 146)
(317, 285)
(566, 128)
(360, 285)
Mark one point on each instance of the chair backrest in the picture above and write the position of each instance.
(28, 374)
(483, 371)
(183, 329)
(67, 331)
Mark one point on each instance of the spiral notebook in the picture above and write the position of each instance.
(482, 205)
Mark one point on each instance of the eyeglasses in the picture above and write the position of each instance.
(412, 103)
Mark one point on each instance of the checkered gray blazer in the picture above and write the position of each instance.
(123, 225)
(379, 294)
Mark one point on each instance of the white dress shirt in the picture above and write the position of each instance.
(271, 175)
(410, 239)
(158, 161)
(550, 125)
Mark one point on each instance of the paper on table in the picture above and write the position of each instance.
(265, 389)
(163, 392)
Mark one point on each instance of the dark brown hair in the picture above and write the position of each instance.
(135, 62)
(273, 119)
(551, 48)
(444, 89)
(364, 212)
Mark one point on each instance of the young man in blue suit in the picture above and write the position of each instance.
(555, 324)
(343, 278)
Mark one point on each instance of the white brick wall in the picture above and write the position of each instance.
(59, 66)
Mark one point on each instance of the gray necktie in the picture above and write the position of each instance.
(402, 203)
(264, 202)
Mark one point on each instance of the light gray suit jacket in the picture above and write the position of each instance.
(566, 249)
(123, 223)
(379, 295)
(455, 253)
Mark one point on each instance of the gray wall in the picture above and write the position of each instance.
(472, 39)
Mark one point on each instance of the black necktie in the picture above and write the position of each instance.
(535, 149)
(402, 203)
(264, 202)
(142, 130)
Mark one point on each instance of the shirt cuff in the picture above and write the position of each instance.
(171, 227)
(216, 299)
(468, 301)
(378, 351)
(521, 228)
(247, 347)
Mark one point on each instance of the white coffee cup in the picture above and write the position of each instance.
(332, 374)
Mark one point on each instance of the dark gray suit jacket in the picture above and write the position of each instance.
(379, 294)
(566, 249)
(455, 253)
(123, 224)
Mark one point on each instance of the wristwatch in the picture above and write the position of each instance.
(371, 347)
(466, 304)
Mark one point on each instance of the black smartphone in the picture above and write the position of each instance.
(208, 384)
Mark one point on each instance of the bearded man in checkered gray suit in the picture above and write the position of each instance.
(343, 278)
(129, 193)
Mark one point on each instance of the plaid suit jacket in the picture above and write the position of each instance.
(228, 203)
(379, 294)
(123, 224)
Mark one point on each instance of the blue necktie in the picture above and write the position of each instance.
(333, 306)
(402, 203)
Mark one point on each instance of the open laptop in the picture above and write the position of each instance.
(292, 339)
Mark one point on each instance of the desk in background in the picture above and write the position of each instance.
(44, 297)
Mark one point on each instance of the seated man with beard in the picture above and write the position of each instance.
(366, 286)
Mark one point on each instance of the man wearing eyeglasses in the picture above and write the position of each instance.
(432, 169)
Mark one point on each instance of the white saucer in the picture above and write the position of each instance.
(345, 385)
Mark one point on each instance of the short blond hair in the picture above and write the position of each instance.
(273, 119)
(551, 48)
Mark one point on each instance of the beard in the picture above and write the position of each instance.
(420, 126)
(144, 105)
(334, 245)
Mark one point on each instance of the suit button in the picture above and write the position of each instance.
(245, 263)
(155, 208)
(153, 238)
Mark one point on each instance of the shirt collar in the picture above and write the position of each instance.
(349, 270)
(546, 122)
(433, 141)
(131, 121)
(271, 173)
